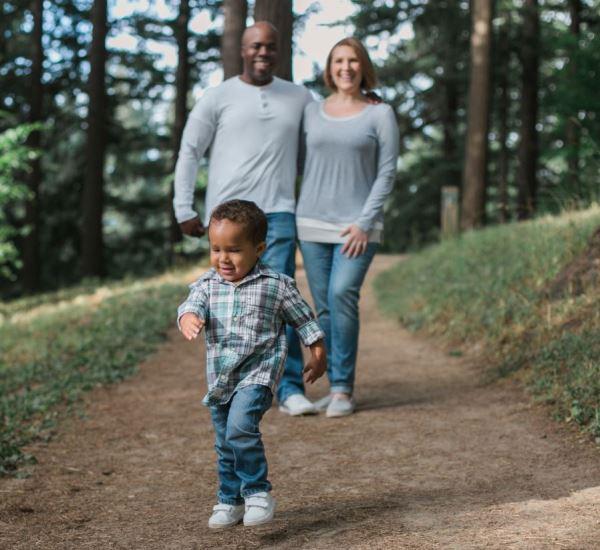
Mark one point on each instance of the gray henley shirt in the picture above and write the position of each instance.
(253, 134)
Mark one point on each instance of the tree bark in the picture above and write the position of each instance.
(235, 13)
(474, 179)
(503, 106)
(280, 14)
(93, 192)
(31, 245)
(572, 126)
(182, 85)
(528, 144)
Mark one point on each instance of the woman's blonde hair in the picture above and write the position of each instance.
(369, 79)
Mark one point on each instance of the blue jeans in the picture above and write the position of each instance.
(281, 256)
(241, 461)
(335, 282)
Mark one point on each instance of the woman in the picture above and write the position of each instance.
(351, 152)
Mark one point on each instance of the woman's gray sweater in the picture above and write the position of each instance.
(350, 166)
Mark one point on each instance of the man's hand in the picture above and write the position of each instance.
(317, 364)
(357, 241)
(193, 227)
(190, 325)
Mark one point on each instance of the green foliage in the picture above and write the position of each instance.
(487, 288)
(49, 358)
(14, 158)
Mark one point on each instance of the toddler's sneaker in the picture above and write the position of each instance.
(297, 405)
(260, 508)
(226, 515)
(340, 406)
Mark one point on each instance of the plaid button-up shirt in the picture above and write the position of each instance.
(245, 328)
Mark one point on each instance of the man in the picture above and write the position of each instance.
(251, 123)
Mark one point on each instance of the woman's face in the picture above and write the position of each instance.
(346, 72)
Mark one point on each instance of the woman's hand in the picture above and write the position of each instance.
(357, 241)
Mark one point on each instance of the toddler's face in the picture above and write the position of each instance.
(232, 253)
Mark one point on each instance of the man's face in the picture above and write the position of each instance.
(259, 53)
(232, 253)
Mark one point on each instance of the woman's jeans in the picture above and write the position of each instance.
(281, 256)
(335, 282)
(241, 461)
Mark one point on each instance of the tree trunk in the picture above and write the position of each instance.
(279, 12)
(503, 106)
(528, 145)
(235, 13)
(31, 245)
(449, 111)
(93, 200)
(572, 127)
(182, 84)
(474, 184)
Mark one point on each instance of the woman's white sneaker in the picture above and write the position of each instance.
(260, 508)
(297, 405)
(340, 406)
(226, 515)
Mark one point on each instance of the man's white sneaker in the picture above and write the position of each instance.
(260, 508)
(340, 406)
(226, 515)
(297, 405)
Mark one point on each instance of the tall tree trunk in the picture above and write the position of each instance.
(31, 245)
(572, 127)
(449, 111)
(235, 13)
(93, 190)
(503, 106)
(182, 85)
(474, 184)
(528, 145)
(279, 12)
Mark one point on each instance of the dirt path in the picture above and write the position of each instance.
(432, 459)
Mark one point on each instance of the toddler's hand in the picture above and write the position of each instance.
(190, 325)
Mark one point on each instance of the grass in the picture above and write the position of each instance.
(53, 351)
(485, 289)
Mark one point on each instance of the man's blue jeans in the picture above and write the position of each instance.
(335, 282)
(281, 256)
(241, 460)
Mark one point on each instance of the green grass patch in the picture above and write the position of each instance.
(486, 288)
(48, 358)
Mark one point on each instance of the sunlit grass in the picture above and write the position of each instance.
(486, 288)
(52, 351)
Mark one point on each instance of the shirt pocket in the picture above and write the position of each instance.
(258, 314)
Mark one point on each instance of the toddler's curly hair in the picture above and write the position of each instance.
(245, 213)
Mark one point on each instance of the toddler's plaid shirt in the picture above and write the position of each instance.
(245, 328)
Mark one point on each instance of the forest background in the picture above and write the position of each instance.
(497, 97)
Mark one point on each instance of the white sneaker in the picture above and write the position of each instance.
(323, 403)
(226, 515)
(297, 405)
(260, 508)
(340, 406)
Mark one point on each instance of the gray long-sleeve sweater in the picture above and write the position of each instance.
(350, 167)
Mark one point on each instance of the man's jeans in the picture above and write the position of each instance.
(241, 460)
(335, 282)
(281, 256)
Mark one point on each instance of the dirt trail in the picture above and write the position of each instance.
(433, 459)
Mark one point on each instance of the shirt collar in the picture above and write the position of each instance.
(259, 270)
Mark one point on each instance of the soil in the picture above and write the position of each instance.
(433, 458)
